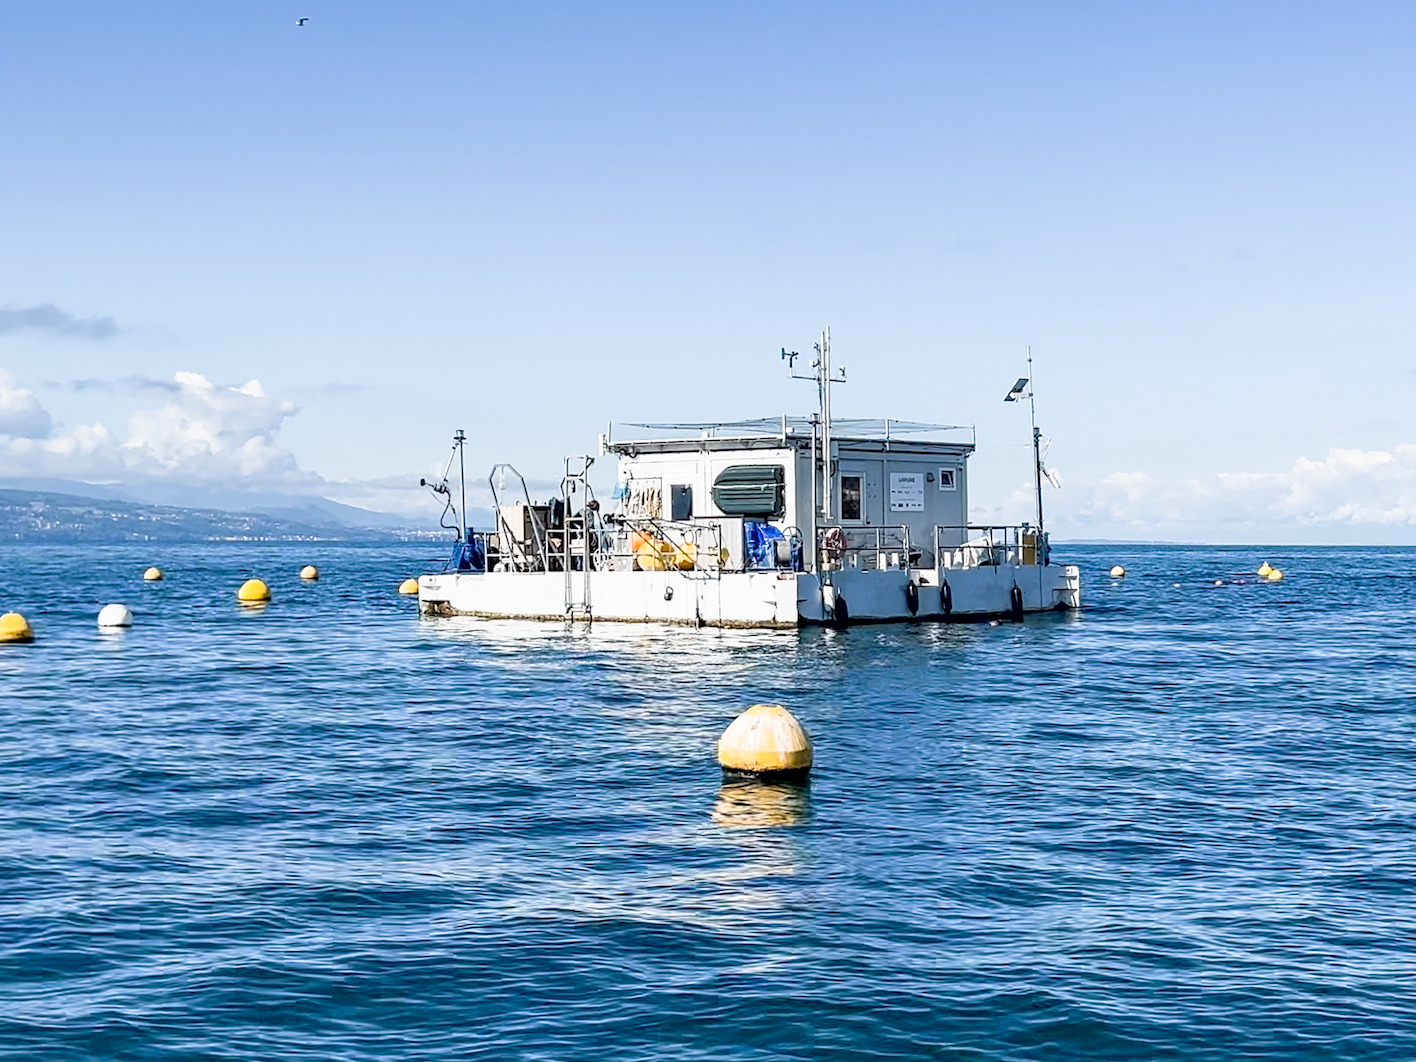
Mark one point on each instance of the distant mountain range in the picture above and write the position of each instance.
(47, 516)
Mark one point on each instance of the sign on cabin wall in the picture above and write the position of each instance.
(907, 492)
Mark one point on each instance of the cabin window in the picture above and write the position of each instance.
(850, 497)
(751, 490)
(681, 502)
(946, 479)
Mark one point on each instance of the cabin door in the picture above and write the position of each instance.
(858, 493)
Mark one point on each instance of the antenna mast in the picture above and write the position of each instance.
(824, 378)
(1037, 440)
(460, 440)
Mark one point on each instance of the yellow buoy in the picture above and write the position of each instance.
(649, 556)
(408, 586)
(1274, 575)
(253, 592)
(309, 573)
(15, 628)
(1265, 568)
(1117, 571)
(153, 575)
(765, 740)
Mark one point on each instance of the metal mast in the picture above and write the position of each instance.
(824, 378)
(1026, 384)
(459, 440)
(1037, 441)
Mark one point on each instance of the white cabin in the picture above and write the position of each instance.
(885, 477)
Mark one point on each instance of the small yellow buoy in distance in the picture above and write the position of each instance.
(1117, 571)
(253, 592)
(1274, 575)
(767, 741)
(15, 628)
(115, 616)
(1265, 568)
(153, 575)
(309, 573)
(408, 586)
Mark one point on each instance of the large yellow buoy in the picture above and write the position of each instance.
(253, 592)
(1265, 568)
(15, 628)
(1117, 571)
(408, 586)
(765, 740)
(153, 575)
(1274, 575)
(649, 556)
(309, 573)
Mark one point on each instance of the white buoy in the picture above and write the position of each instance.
(115, 616)
(766, 740)
(1219, 582)
(1117, 571)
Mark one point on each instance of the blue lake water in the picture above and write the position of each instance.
(1177, 825)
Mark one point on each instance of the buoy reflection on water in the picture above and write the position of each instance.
(746, 803)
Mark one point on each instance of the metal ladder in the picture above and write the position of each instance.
(575, 490)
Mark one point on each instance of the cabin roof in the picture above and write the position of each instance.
(783, 431)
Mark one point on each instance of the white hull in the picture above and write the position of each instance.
(753, 598)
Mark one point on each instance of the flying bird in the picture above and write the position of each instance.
(301, 22)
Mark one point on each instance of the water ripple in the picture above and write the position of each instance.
(1175, 826)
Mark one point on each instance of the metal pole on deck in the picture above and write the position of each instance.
(815, 421)
(824, 371)
(460, 439)
(1037, 445)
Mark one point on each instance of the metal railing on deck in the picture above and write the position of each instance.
(867, 548)
(961, 546)
(983, 545)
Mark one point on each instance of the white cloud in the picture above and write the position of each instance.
(208, 432)
(21, 414)
(1346, 495)
(205, 433)
(201, 435)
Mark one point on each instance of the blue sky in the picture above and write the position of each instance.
(527, 220)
